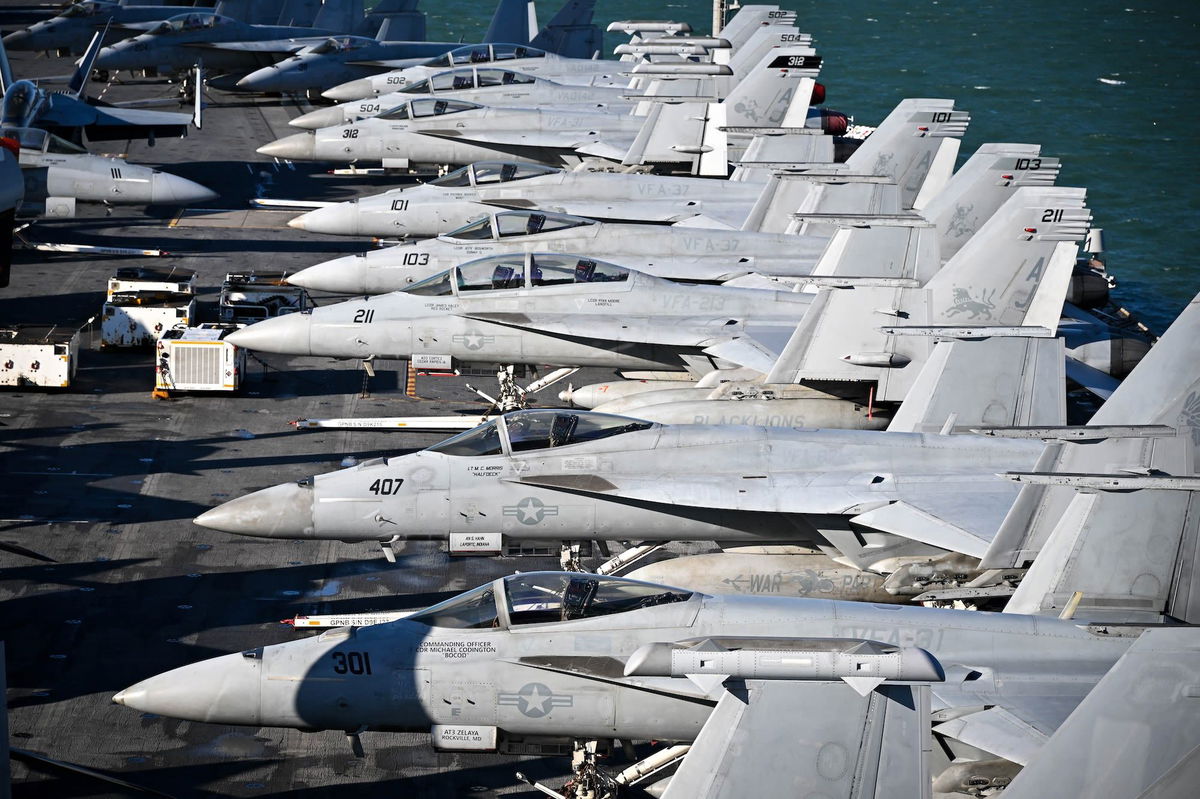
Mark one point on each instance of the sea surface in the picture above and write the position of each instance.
(1111, 87)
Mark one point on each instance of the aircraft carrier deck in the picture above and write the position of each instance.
(103, 577)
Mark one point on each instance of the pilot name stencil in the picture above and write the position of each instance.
(453, 650)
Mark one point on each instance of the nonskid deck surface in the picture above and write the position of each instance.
(104, 580)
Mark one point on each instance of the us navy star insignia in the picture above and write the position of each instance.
(535, 700)
(530, 510)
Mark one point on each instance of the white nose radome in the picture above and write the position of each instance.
(282, 511)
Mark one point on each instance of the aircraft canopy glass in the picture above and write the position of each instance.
(492, 274)
(480, 229)
(542, 597)
(82, 10)
(18, 101)
(41, 141)
(482, 54)
(500, 77)
(341, 44)
(554, 270)
(482, 440)
(438, 285)
(543, 429)
(472, 610)
(528, 223)
(433, 108)
(185, 23)
(547, 597)
(507, 52)
(506, 171)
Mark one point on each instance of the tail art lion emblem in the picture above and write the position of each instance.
(977, 308)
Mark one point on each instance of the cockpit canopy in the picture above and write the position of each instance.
(511, 270)
(340, 44)
(193, 21)
(428, 107)
(482, 173)
(483, 54)
(522, 431)
(518, 223)
(19, 102)
(40, 141)
(88, 9)
(545, 598)
(468, 78)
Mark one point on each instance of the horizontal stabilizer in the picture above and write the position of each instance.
(1136, 734)
(777, 736)
(902, 519)
(997, 731)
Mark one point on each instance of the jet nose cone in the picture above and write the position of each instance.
(297, 147)
(175, 190)
(284, 335)
(260, 80)
(223, 690)
(342, 275)
(320, 118)
(17, 40)
(350, 90)
(282, 511)
(338, 220)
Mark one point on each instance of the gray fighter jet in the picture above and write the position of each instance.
(70, 113)
(757, 482)
(522, 58)
(519, 308)
(498, 87)
(226, 44)
(72, 30)
(513, 29)
(749, 20)
(58, 173)
(431, 131)
(505, 86)
(474, 191)
(582, 656)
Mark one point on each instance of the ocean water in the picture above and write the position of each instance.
(1112, 87)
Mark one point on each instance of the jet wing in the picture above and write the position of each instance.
(105, 122)
(266, 46)
(1136, 734)
(785, 738)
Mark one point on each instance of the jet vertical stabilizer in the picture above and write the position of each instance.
(570, 32)
(1113, 519)
(981, 186)
(1012, 275)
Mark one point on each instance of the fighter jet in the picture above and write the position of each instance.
(466, 194)
(513, 30)
(229, 45)
(576, 655)
(755, 485)
(523, 58)
(505, 86)
(748, 21)
(485, 311)
(72, 30)
(70, 114)
(58, 173)
(494, 86)
(431, 131)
